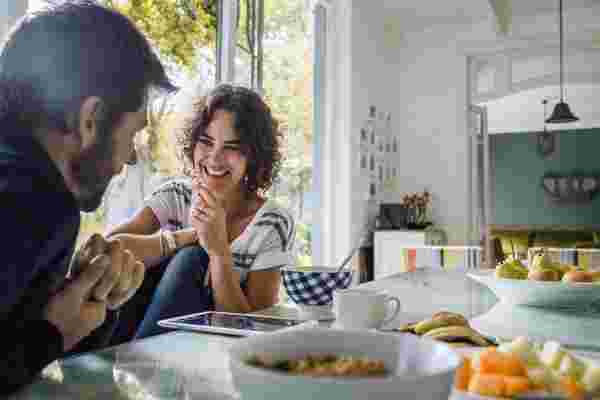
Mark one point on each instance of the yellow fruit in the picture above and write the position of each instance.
(542, 260)
(511, 270)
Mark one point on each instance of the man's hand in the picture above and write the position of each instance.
(72, 310)
(123, 277)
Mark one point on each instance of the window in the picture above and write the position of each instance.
(275, 56)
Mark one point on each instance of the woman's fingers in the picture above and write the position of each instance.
(209, 199)
(202, 215)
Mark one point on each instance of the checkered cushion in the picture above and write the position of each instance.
(314, 288)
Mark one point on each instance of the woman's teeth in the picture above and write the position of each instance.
(213, 172)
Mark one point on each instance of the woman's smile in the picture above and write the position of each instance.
(215, 172)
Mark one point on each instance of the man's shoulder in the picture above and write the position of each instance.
(18, 175)
(27, 188)
(21, 164)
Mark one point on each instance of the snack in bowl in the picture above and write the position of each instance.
(323, 365)
(415, 368)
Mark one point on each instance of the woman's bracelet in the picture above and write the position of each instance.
(170, 243)
(162, 243)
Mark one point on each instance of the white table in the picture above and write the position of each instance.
(185, 365)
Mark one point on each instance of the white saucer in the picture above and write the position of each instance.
(320, 313)
(337, 325)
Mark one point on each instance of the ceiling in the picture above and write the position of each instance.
(417, 15)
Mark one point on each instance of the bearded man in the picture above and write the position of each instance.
(74, 83)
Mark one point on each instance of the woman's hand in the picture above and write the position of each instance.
(208, 217)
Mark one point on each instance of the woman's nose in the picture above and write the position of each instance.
(216, 154)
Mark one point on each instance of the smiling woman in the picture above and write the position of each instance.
(213, 239)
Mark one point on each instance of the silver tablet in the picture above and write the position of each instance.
(229, 323)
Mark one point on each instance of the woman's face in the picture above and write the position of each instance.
(218, 158)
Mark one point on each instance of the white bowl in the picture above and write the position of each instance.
(419, 368)
(538, 293)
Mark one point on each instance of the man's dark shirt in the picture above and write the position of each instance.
(40, 222)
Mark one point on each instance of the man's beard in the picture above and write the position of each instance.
(93, 172)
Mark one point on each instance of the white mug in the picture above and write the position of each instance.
(363, 308)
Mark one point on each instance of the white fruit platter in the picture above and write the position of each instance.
(538, 293)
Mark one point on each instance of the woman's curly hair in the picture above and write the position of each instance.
(257, 129)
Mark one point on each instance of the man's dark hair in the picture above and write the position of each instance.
(253, 121)
(77, 49)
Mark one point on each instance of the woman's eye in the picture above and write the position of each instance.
(232, 148)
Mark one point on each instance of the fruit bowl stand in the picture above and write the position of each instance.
(577, 328)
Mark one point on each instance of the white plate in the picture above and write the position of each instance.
(419, 369)
(538, 293)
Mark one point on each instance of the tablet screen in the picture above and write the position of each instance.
(242, 322)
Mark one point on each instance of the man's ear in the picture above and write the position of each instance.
(89, 115)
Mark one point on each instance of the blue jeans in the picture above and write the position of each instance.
(181, 291)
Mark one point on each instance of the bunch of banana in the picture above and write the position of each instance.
(447, 327)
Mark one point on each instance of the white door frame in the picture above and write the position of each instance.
(480, 179)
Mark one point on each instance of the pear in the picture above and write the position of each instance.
(542, 261)
(511, 270)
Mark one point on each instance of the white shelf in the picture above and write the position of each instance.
(387, 250)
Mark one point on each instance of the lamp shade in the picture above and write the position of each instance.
(561, 114)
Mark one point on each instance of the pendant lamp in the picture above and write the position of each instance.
(562, 113)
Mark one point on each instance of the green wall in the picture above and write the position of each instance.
(518, 170)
